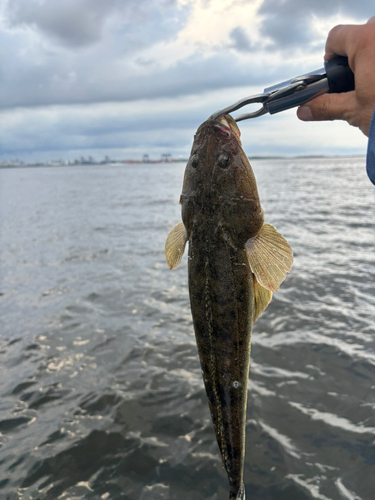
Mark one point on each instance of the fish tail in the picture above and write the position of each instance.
(239, 495)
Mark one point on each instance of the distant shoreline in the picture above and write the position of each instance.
(6, 165)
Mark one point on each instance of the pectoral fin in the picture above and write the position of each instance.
(175, 245)
(270, 257)
(262, 297)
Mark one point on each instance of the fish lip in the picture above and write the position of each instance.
(221, 122)
(226, 131)
(222, 125)
(226, 128)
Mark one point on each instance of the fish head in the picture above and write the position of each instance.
(218, 177)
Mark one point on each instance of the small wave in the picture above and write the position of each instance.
(155, 492)
(354, 350)
(308, 484)
(275, 372)
(11, 423)
(285, 441)
(349, 495)
(333, 420)
(260, 389)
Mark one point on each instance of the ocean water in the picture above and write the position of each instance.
(101, 389)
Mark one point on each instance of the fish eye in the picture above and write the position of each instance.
(223, 161)
(194, 160)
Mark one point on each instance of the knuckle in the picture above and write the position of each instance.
(320, 107)
(325, 109)
(335, 30)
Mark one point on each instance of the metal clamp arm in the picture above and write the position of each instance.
(259, 98)
(336, 76)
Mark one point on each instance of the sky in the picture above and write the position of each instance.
(125, 78)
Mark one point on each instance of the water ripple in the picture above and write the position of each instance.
(101, 389)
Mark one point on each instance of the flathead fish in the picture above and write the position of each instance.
(235, 262)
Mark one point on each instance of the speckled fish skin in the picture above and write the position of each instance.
(236, 262)
(221, 211)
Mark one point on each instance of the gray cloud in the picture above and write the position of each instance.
(94, 54)
(71, 131)
(78, 23)
(48, 85)
(288, 23)
(68, 131)
(73, 22)
(240, 40)
(85, 52)
(90, 59)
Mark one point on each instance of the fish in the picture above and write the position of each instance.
(235, 263)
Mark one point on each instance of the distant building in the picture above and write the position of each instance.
(166, 157)
(12, 163)
(146, 158)
(56, 163)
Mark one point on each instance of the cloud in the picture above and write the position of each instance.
(73, 22)
(129, 50)
(83, 50)
(240, 40)
(87, 51)
(290, 23)
(79, 80)
(118, 73)
(78, 23)
(128, 130)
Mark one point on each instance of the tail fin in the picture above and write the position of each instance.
(240, 494)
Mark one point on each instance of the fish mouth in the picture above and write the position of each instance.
(226, 125)
(223, 128)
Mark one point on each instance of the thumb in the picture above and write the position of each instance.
(327, 107)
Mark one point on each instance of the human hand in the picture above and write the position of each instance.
(357, 42)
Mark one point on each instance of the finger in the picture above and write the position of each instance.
(340, 39)
(328, 107)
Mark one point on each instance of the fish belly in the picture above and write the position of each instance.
(222, 297)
